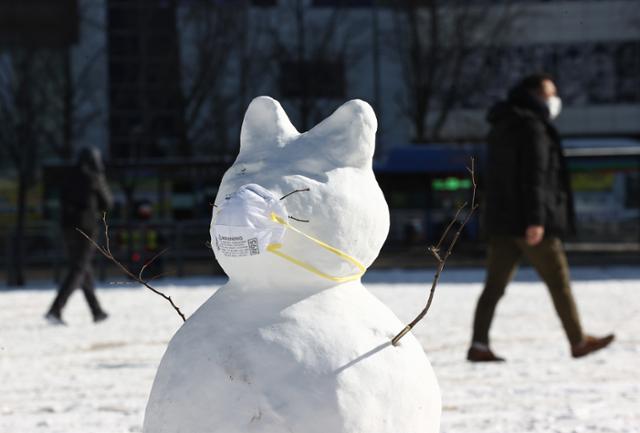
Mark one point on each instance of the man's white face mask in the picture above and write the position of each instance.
(554, 104)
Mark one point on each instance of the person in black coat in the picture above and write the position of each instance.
(528, 209)
(85, 195)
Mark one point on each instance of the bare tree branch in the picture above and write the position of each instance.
(106, 251)
(442, 260)
(335, 38)
(214, 31)
(436, 43)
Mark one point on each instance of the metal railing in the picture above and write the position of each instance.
(132, 244)
(188, 252)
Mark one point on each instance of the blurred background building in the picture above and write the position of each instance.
(161, 87)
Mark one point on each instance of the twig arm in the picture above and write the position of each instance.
(106, 251)
(442, 260)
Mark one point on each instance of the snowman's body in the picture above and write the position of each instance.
(282, 348)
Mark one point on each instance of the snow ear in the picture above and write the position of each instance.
(265, 126)
(348, 136)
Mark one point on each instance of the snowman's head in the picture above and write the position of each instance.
(300, 209)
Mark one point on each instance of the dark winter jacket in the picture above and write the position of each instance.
(527, 181)
(85, 193)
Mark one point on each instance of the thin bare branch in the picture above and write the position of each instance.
(434, 251)
(442, 260)
(153, 259)
(446, 231)
(293, 192)
(298, 219)
(160, 275)
(472, 171)
(106, 251)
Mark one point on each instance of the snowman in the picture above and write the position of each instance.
(294, 342)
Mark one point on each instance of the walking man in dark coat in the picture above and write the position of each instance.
(84, 196)
(529, 206)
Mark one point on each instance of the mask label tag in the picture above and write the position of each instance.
(242, 226)
(236, 243)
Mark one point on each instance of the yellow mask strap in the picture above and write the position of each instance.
(275, 249)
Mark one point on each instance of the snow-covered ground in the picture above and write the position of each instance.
(88, 378)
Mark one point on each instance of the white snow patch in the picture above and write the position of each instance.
(87, 378)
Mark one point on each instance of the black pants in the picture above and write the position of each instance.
(549, 260)
(80, 274)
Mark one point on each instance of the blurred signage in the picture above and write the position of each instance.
(450, 184)
(38, 23)
(592, 181)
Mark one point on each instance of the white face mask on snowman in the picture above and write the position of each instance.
(253, 221)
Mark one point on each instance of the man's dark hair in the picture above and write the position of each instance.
(533, 82)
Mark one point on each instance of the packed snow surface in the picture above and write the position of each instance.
(96, 378)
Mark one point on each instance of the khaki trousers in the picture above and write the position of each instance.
(549, 260)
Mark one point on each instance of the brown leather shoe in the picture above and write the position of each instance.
(482, 355)
(590, 344)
